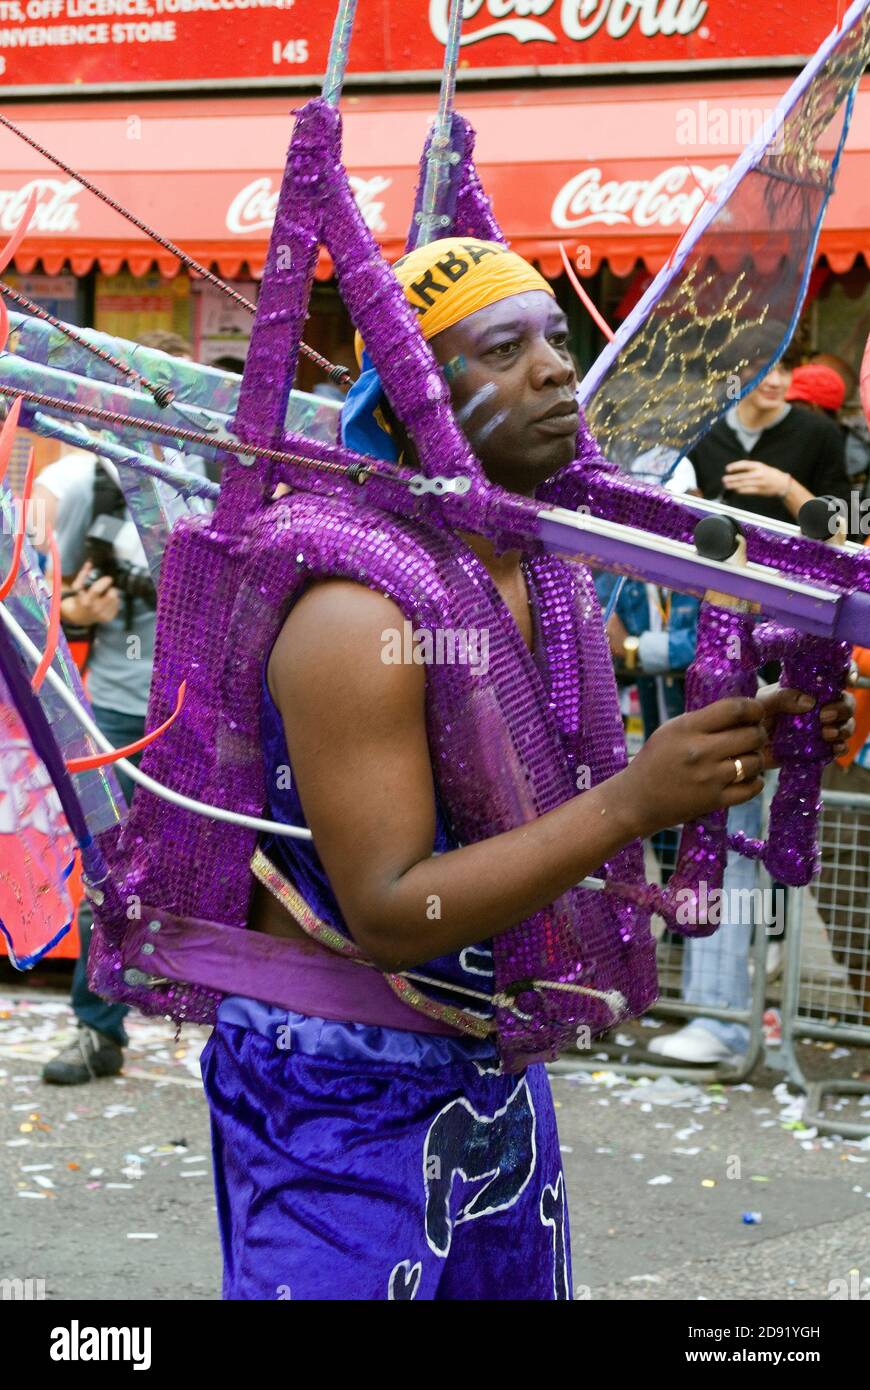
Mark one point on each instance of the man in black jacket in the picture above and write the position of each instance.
(770, 457)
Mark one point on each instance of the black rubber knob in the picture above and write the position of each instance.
(716, 537)
(818, 518)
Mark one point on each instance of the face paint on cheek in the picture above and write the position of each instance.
(481, 435)
(455, 367)
(477, 400)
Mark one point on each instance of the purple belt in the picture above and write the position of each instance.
(281, 971)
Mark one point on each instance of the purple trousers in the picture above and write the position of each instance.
(358, 1162)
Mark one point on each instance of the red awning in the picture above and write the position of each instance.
(612, 169)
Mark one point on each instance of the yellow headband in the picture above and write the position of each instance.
(452, 278)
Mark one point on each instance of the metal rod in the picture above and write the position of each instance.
(72, 810)
(336, 64)
(432, 219)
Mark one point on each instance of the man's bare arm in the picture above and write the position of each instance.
(356, 737)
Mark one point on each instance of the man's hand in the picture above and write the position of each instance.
(686, 769)
(756, 479)
(98, 604)
(837, 720)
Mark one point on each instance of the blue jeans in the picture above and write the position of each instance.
(89, 1008)
(716, 968)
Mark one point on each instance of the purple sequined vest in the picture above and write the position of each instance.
(505, 749)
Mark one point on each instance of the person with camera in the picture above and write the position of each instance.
(108, 602)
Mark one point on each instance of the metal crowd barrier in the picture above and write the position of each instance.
(672, 953)
(826, 988)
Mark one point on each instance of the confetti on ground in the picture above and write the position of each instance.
(660, 1181)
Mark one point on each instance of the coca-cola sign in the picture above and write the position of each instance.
(55, 210)
(577, 20)
(77, 46)
(670, 198)
(254, 206)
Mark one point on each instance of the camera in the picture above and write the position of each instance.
(134, 581)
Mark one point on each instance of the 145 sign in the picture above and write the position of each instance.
(293, 51)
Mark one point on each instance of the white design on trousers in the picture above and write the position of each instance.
(462, 1143)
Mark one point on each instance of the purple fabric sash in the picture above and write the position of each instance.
(281, 971)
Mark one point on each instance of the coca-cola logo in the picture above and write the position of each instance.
(254, 206)
(54, 212)
(671, 197)
(579, 19)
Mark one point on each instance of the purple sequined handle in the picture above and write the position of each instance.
(724, 666)
(730, 649)
(820, 668)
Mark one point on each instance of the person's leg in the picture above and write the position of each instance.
(96, 1051)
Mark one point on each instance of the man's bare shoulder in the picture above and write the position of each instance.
(334, 641)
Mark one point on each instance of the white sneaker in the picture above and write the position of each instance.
(691, 1044)
(774, 960)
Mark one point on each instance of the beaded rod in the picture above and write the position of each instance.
(113, 418)
(336, 65)
(161, 394)
(432, 219)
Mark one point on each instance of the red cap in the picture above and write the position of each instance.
(819, 385)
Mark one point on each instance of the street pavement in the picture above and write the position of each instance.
(107, 1187)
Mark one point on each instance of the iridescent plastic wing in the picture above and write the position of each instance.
(42, 359)
(715, 319)
(37, 848)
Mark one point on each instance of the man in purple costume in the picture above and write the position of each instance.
(365, 1157)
